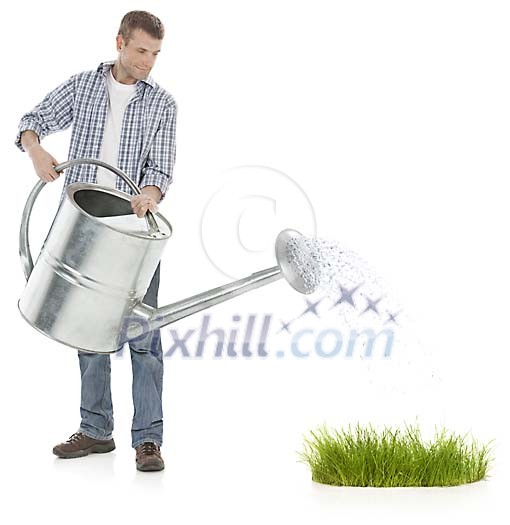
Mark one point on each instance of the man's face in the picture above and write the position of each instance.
(138, 55)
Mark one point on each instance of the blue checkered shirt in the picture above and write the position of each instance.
(147, 143)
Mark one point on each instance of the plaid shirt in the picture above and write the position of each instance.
(147, 143)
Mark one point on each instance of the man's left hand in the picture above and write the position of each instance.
(142, 203)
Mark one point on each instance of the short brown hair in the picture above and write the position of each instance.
(141, 20)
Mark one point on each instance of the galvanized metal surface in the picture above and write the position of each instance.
(87, 286)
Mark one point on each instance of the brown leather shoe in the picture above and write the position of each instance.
(79, 445)
(148, 457)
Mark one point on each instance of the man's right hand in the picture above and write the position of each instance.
(43, 162)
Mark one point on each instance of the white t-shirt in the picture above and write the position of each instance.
(119, 96)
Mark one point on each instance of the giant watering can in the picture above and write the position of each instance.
(87, 285)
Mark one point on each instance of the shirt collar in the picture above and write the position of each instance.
(104, 67)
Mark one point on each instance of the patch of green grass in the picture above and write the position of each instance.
(363, 457)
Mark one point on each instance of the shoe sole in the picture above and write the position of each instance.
(150, 467)
(93, 449)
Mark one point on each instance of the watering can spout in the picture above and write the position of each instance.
(146, 318)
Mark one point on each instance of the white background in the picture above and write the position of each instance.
(393, 120)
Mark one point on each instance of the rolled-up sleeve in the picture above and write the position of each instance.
(159, 164)
(54, 113)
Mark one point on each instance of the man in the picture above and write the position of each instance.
(121, 116)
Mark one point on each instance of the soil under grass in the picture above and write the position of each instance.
(363, 457)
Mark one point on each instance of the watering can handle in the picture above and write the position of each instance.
(24, 247)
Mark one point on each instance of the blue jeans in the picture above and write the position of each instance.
(96, 407)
